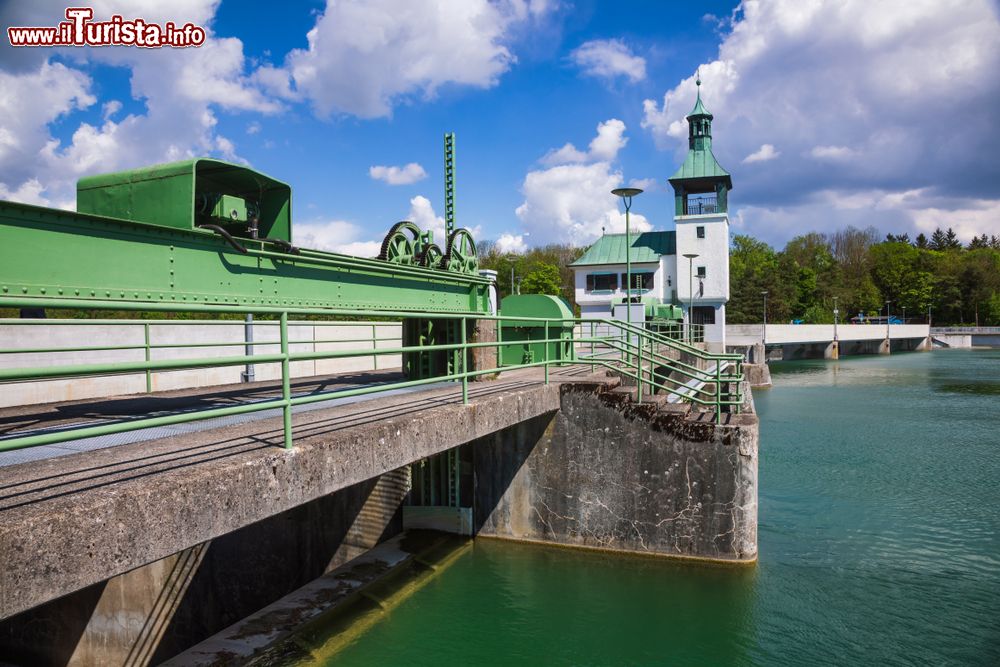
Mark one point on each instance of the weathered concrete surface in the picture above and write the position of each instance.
(607, 473)
(484, 358)
(74, 521)
(758, 375)
(157, 610)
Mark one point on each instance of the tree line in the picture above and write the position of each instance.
(954, 284)
(855, 270)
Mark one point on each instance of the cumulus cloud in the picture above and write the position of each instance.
(335, 236)
(604, 147)
(182, 90)
(609, 59)
(570, 201)
(861, 97)
(405, 175)
(763, 154)
(507, 242)
(404, 50)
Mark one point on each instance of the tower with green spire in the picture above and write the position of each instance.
(700, 185)
(701, 217)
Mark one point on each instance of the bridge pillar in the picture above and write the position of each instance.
(925, 345)
(832, 350)
(885, 347)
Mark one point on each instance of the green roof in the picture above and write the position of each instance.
(699, 109)
(647, 248)
(701, 164)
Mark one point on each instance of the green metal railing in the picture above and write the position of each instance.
(647, 357)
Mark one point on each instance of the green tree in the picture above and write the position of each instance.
(543, 279)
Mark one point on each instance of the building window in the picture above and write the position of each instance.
(602, 282)
(701, 272)
(700, 231)
(703, 315)
(640, 280)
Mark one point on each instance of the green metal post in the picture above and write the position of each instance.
(449, 185)
(499, 340)
(718, 391)
(286, 383)
(546, 357)
(149, 373)
(465, 378)
(639, 369)
(593, 366)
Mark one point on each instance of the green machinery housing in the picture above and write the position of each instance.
(531, 334)
(207, 232)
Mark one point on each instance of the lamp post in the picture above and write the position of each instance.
(626, 194)
(836, 317)
(690, 257)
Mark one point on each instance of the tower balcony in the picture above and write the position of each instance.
(701, 205)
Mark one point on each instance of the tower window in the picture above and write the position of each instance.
(700, 231)
(701, 272)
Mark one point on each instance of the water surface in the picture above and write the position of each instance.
(879, 516)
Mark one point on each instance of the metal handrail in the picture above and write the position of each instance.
(634, 347)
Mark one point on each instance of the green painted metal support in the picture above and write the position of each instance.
(449, 184)
(149, 373)
(286, 388)
(464, 354)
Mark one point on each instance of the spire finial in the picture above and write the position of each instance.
(697, 80)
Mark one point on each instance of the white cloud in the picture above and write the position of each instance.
(573, 203)
(109, 109)
(405, 175)
(608, 59)
(763, 154)
(831, 152)
(605, 146)
(253, 127)
(182, 90)
(510, 243)
(365, 57)
(335, 236)
(886, 97)
(570, 201)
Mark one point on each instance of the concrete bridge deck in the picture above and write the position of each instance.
(67, 522)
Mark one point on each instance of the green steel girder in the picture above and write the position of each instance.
(49, 253)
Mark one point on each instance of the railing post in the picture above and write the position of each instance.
(149, 373)
(593, 365)
(718, 391)
(546, 352)
(286, 383)
(465, 376)
(638, 341)
(499, 324)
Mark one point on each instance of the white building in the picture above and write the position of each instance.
(662, 271)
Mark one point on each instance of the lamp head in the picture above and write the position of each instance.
(626, 192)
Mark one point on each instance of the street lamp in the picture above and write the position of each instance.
(626, 194)
(690, 257)
(763, 331)
(836, 317)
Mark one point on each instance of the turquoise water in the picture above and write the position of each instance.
(879, 520)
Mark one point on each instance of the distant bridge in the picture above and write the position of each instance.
(799, 341)
(966, 336)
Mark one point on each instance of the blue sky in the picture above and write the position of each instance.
(827, 113)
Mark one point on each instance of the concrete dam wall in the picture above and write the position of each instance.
(606, 473)
(577, 463)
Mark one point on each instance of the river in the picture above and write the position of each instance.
(879, 523)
